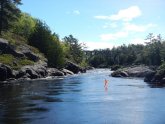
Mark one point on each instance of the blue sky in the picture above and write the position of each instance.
(101, 23)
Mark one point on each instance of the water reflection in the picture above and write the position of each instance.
(81, 99)
(20, 101)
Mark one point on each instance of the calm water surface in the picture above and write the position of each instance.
(82, 99)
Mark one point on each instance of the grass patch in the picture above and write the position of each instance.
(7, 59)
(13, 62)
(13, 39)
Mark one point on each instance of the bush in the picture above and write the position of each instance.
(161, 69)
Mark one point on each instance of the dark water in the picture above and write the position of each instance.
(82, 99)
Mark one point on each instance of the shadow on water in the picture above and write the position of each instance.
(21, 101)
(156, 85)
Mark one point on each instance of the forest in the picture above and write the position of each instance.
(152, 54)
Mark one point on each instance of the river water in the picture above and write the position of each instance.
(82, 99)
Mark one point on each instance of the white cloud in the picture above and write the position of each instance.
(113, 36)
(124, 14)
(111, 25)
(138, 41)
(91, 45)
(137, 28)
(76, 12)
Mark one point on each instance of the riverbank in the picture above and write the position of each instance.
(25, 62)
(150, 74)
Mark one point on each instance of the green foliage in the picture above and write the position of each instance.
(7, 59)
(48, 43)
(161, 70)
(13, 39)
(15, 63)
(24, 26)
(24, 62)
(73, 49)
(115, 67)
(8, 13)
(84, 63)
(153, 53)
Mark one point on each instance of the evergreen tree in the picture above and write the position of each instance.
(75, 50)
(8, 13)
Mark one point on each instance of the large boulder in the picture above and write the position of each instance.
(34, 71)
(6, 48)
(67, 72)
(30, 71)
(31, 56)
(26, 50)
(157, 77)
(54, 72)
(136, 71)
(149, 76)
(5, 72)
(119, 74)
(74, 67)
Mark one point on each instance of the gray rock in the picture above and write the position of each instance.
(119, 74)
(26, 50)
(6, 48)
(74, 67)
(20, 74)
(136, 71)
(67, 72)
(31, 56)
(5, 72)
(32, 72)
(54, 72)
(149, 76)
(162, 81)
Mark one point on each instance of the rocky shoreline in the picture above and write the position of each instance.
(39, 68)
(149, 74)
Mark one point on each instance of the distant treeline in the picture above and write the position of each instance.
(152, 53)
(16, 25)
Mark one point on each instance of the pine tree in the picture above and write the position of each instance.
(8, 13)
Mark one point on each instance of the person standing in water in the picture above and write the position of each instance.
(106, 83)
